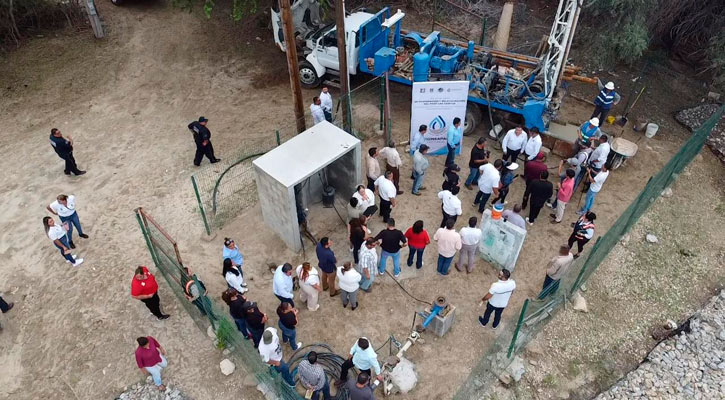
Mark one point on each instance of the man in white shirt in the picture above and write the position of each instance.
(282, 284)
(451, 205)
(318, 114)
(596, 185)
(449, 241)
(386, 189)
(470, 238)
(392, 163)
(488, 183)
(65, 207)
(271, 352)
(326, 103)
(365, 197)
(513, 143)
(533, 145)
(599, 156)
(497, 298)
(373, 167)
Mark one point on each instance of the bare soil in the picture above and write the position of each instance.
(127, 100)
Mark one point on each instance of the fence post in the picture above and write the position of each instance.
(382, 103)
(483, 31)
(518, 328)
(145, 234)
(201, 206)
(277, 135)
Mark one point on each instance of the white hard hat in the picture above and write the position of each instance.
(609, 85)
(594, 121)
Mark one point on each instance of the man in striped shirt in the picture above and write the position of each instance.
(313, 378)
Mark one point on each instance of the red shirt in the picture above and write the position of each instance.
(148, 357)
(417, 240)
(533, 170)
(144, 287)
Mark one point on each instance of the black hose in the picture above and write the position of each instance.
(406, 292)
(331, 363)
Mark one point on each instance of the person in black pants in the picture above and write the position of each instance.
(64, 148)
(583, 232)
(255, 321)
(540, 190)
(202, 138)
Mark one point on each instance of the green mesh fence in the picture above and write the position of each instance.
(225, 189)
(206, 312)
(536, 312)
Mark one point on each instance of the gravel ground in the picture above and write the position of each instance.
(148, 391)
(693, 118)
(691, 365)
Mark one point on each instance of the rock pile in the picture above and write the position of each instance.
(694, 117)
(688, 366)
(148, 391)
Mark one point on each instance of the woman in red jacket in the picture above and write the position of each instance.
(417, 240)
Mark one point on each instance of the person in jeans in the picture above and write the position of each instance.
(313, 378)
(507, 178)
(583, 232)
(449, 241)
(391, 241)
(418, 239)
(309, 285)
(57, 233)
(420, 165)
(288, 323)
(150, 359)
(255, 321)
(145, 288)
(327, 264)
(271, 351)
(368, 264)
(65, 207)
(470, 239)
(478, 155)
(349, 280)
(282, 284)
(454, 137)
(558, 266)
(450, 205)
(497, 298)
(596, 186)
(231, 251)
(236, 301)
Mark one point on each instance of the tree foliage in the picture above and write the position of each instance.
(18, 18)
(240, 8)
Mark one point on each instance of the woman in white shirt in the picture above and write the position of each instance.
(233, 276)
(309, 285)
(57, 233)
(349, 280)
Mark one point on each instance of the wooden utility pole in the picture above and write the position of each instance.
(294, 72)
(342, 58)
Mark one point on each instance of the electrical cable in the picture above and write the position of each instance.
(406, 292)
(382, 345)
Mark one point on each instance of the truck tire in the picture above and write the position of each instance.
(473, 118)
(308, 76)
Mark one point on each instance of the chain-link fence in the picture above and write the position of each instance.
(204, 311)
(223, 190)
(536, 312)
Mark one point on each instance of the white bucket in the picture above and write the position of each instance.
(495, 131)
(651, 130)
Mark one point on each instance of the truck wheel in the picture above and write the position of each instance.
(117, 2)
(308, 76)
(473, 118)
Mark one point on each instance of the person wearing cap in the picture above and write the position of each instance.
(282, 284)
(420, 165)
(478, 155)
(363, 357)
(145, 288)
(318, 113)
(393, 162)
(326, 103)
(450, 205)
(497, 298)
(589, 131)
(454, 137)
(202, 138)
(605, 99)
(64, 149)
(533, 145)
(271, 352)
(513, 143)
(532, 171)
(418, 138)
(540, 190)
(65, 207)
(507, 178)
(488, 183)
(231, 251)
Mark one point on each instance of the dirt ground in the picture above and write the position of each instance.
(127, 100)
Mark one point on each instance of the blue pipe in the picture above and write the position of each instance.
(436, 309)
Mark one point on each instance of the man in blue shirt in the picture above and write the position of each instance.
(282, 284)
(454, 137)
(363, 357)
(328, 265)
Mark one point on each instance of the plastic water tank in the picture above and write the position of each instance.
(421, 67)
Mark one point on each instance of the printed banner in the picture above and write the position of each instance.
(436, 104)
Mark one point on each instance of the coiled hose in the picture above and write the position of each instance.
(331, 363)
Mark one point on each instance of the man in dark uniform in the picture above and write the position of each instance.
(64, 148)
(202, 138)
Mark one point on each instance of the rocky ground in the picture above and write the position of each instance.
(694, 117)
(148, 391)
(691, 365)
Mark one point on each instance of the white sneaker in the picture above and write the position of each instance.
(529, 222)
(78, 262)
(74, 257)
(316, 308)
(299, 344)
(396, 276)
(244, 290)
